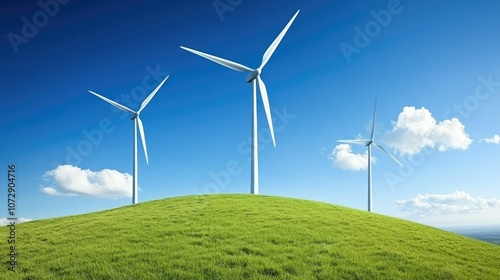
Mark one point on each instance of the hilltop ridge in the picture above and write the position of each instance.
(244, 237)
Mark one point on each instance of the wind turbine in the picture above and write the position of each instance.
(137, 122)
(253, 77)
(369, 143)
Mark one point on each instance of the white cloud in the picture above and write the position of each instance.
(493, 140)
(458, 202)
(416, 129)
(5, 222)
(53, 191)
(343, 157)
(71, 180)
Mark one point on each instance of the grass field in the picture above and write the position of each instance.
(243, 237)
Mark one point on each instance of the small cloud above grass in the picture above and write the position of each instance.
(343, 157)
(68, 180)
(457, 207)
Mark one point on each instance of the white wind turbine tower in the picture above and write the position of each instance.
(253, 77)
(137, 122)
(369, 144)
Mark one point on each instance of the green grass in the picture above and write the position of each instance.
(243, 237)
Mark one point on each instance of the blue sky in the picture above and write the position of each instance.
(433, 67)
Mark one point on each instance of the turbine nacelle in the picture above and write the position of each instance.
(134, 115)
(253, 75)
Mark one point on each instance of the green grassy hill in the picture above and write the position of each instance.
(243, 237)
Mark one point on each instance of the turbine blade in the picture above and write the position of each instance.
(265, 101)
(224, 62)
(143, 138)
(374, 118)
(146, 101)
(270, 50)
(389, 154)
(119, 106)
(357, 142)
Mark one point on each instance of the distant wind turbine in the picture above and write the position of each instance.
(369, 144)
(137, 122)
(253, 77)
